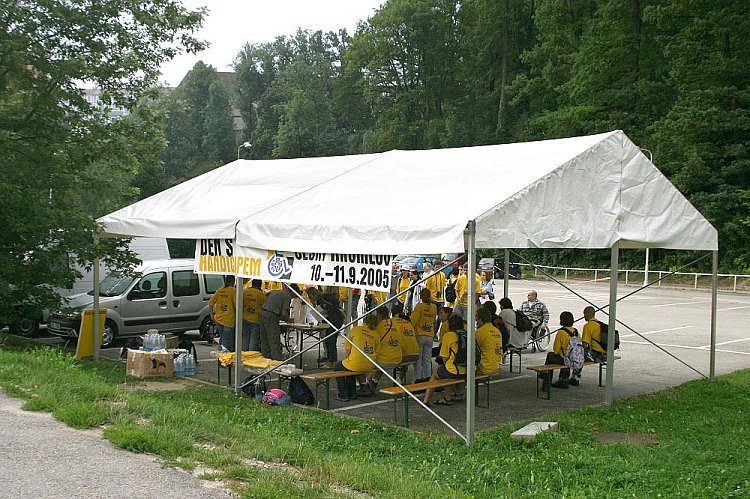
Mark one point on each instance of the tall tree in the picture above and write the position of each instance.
(59, 154)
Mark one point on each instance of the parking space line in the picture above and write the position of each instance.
(681, 303)
(657, 331)
(728, 342)
(732, 308)
(684, 346)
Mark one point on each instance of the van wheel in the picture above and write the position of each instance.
(207, 329)
(109, 333)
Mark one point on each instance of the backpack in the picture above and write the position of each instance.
(604, 336)
(462, 352)
(523, 323)
(300, 392)
(574, 355)
(275, 397)
(450, 292)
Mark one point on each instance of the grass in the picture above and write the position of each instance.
(702, 429)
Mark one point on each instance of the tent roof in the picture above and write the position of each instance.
(580, 192)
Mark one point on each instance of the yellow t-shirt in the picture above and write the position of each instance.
(269, 286)
(379, 296)
(462, 289)
(491, 345)
(224, 300)
(562, 338)
(365, 338)
(444, 328)
(252, 302)
(448, 350)
(409, 345)
(436, 285)
(390, 342)
(403, 283)
(423, 318)
(592, 334)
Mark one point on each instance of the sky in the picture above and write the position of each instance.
(229, 24)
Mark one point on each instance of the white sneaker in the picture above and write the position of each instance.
(504, 361)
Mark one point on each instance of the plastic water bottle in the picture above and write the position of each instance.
(178, 366)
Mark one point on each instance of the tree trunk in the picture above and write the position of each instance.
(503, 68)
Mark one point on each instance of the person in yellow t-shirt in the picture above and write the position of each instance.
(450, 368)
(592, 337)
(253, 298)
(222, 308)
(490, 342)
(436, 285)
(450, 280)
(409, 345)
(423, 319)
(560, 348)
(462, 291)
(389, 354)
(365, 338)
(403, 284)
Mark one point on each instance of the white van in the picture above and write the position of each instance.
(162, 294)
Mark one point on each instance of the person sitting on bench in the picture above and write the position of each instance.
(449, 369)
(490, 342)
(592, 337)
(365, 338)
(389, 353)
(559, 349)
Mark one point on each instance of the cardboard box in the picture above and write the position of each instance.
(173, 341)
(142, 364)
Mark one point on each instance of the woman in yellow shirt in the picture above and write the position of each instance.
(450, 368)
(408, 342)
(423, 319)
(365, 338)
(389, 353)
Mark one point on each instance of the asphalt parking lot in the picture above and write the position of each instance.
(676, 320)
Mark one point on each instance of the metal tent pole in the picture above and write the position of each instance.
(238, 334)
(97, 325)
(506, 266)
(471, 333)
(714, 299)
(614, 267)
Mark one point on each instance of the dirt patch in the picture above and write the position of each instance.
(156, 386)
(617, 437)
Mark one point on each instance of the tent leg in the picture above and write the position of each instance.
(614, 268)
(471, 333)
(238, 335)
(714, 299)
(97, 325)
(506, 266)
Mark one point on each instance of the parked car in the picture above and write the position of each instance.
(498, 268)
(417, 261)
(162, 294)
(447, 258)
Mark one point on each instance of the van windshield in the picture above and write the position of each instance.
(114, 286)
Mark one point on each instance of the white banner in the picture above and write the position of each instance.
(223, 256)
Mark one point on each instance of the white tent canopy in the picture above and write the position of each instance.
(595, 191)
(580, 192)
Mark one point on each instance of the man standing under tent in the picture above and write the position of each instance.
(253, 298)
(275, 309)
(436, 284)
(222, 306)
(462, 291)
(535, 310)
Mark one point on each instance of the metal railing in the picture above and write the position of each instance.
(687, 278)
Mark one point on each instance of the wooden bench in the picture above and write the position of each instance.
(324, 378)
(400, 393)
(546, 374)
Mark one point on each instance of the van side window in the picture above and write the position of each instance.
(185, 283)
(150, 286)
(212, 282)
